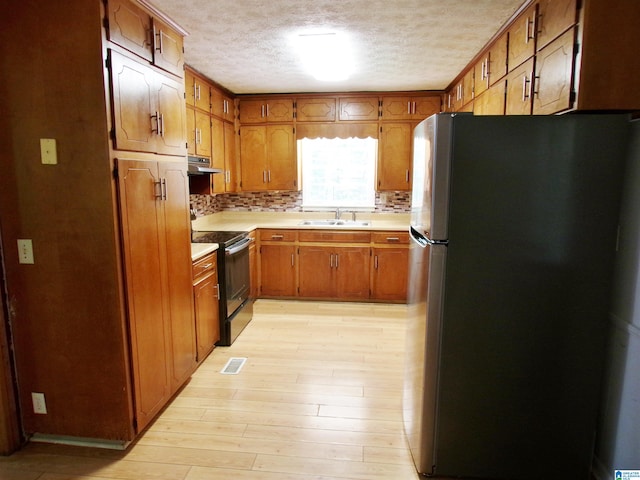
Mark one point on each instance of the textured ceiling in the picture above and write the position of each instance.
(245, 45)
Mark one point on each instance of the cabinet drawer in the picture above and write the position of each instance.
(395, 238)
(278, 235)
(205, 265)
(333, 236)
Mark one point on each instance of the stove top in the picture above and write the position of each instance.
(221, 238)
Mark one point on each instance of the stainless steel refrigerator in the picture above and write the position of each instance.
(514, 226)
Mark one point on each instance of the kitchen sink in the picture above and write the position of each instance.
(336, 223)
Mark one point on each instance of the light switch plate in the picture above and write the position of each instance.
(25, 251)
(48, 153)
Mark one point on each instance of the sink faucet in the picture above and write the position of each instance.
(353, 215)
(338, 213)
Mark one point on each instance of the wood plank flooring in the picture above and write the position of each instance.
(319, 398)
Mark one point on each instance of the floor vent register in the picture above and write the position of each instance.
(233, 366)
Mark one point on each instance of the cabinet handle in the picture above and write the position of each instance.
(393, 239)
(206, 265)
(227, 175)
(157, 129)
(264, 176)
(262, 111)
(375, 262)
(159, 47)
(331, 261)
(292, 264)
(197, 136)
(218, 291)
(277, 237)
(161, 185)
(267, 109)
(407, 175)
(408, 108)
(530, 25)
(525, 90)
(161, 125)
(268, 176)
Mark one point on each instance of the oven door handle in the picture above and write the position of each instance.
(237, 247)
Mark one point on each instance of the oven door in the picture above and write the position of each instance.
(236, 268)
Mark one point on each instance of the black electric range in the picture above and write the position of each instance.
(236, 308)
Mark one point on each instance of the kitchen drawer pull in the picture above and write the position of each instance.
(393, 239)
(277, 237)
(206, 265)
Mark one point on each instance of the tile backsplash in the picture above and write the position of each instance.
(386, 202)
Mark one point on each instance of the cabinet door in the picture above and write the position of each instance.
(203, 135)
(130, 27)
(522, 38)
(253, 158)
(519, 90)
(491, 102)
(205, 294)
(316, 267)
(281, 158)
(139, 190)
(217, 154)
(424, 107)
(252, 111)
(197, 91)
(316, 109)
(554, 68)
(468, 88)
(498, 53)
(279, 110)
(134, 97)
(358, 108)
(177, 239)
(192, 135)
(230, 158)
(352, 272)
(170, 112)
(554, 17)
(278, 270)
(168, 49)
(397, 108)
(390, 271)
(222, 106)
(481, 75)
(394, 158)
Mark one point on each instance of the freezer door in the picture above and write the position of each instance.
(420, 404)
(432, 141)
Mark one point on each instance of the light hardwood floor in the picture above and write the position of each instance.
(319, 398)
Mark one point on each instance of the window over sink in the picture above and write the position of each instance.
(338, 172)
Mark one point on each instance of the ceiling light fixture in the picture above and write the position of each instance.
(327, 56)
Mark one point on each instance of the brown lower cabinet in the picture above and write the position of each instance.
(206, 295)
(338, 265)
(153, 204)
(334, 272)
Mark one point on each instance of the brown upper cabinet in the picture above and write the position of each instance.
(553, 18)
(148, 108)
(358, 108)
(222, 105)
(145, 35)
(272, 110)
(409, 107)
(522, 38)
(316, 109)
(197, 91)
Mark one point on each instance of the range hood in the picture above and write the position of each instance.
(201, 166)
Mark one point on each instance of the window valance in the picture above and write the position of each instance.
(337, 130)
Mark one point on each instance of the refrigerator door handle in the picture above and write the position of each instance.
(423, 240)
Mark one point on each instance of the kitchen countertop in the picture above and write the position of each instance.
(199, 250)
(247, 221)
